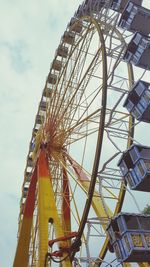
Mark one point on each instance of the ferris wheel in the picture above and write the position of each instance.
(83, 155)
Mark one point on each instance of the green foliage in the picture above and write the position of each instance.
(146, 209)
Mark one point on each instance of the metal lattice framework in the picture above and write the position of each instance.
(72, 183)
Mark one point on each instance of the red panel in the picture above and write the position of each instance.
(43, 165)
(30, 201)
(78, 170)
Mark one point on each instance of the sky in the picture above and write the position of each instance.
(30, 32)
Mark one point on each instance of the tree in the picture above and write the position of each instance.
(146, 210)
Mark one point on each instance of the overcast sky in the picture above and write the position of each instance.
(29, 34)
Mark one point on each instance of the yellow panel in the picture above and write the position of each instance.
(97, 205)
(143, 264)
(22, 253)
(46, 210)
(127, 264)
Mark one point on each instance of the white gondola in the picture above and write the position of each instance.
(68, 37)
(138, 51)
(30, 162)
(43, 106)
(135, 167)
(57, 65)
(52, 78)
(22, 207)
(135, 18)
(89, 7)
(129, 236)
(39, 119)
(62, 51)
(47, 92)
(75, 25)
(138, 101)
(25, 191)
(119, 5)
(28, 176)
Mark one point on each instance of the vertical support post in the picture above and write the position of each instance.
(43, 206)
(47, 210)
(22, 251)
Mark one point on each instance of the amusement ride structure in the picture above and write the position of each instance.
(84, 155)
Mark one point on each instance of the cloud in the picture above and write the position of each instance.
(30, 34)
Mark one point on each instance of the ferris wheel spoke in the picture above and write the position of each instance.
(109, 75)
(76, 90)
(93, 117)
(98, 91)
(63, 75)
(71, 76)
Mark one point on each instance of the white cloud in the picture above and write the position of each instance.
(30, 33)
